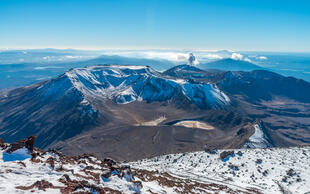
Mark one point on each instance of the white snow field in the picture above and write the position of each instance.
(37, 171)
(48, 170)
(271, 170)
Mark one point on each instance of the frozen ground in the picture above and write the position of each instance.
(24, 169)
(272, 170)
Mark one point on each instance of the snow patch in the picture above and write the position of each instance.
(258, 139)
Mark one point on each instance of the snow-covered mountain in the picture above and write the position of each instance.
(126, 84)
(134, 112)
(182, 109)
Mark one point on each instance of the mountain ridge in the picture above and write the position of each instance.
(231, 65)
(99, 106)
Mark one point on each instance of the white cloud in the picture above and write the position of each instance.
(47, 67)
(171, 55)
(167, 55)
(213, 56)
(236, 56)
(46, 58)
(262, 58)
(73, 57)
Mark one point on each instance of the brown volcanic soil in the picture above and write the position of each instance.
(121, 139)
(288, 121)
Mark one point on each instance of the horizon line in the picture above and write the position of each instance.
(143, 49)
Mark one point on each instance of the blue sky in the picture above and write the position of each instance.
(246, 25)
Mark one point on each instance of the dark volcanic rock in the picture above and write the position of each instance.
(41, 185)
(225, 155)
(27, 143)
(259, 161)
(211, 151)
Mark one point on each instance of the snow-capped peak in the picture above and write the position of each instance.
(125, 84)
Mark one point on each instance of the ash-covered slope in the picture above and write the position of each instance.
(25, 169)
(264, 85)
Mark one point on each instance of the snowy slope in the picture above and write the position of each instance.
(52, 172)
(259, 139)
(20, 174)
(125, 84)
(273, 170)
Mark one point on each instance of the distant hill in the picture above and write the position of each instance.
(21, 74)
(230, 65)
(159, 64)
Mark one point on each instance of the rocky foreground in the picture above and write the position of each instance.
(268, 170)
(25, 169)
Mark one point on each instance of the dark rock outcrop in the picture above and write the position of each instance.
(225, 155)
(27, 143)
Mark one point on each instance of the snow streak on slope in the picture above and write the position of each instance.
(259, 139)
(273, 170)
(125, 84)
(201, 93)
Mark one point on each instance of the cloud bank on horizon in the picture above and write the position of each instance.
(175, 56)
(183, 56)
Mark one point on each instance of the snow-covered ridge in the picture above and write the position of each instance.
(125, 84)
(272, 170)
(259, 139)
